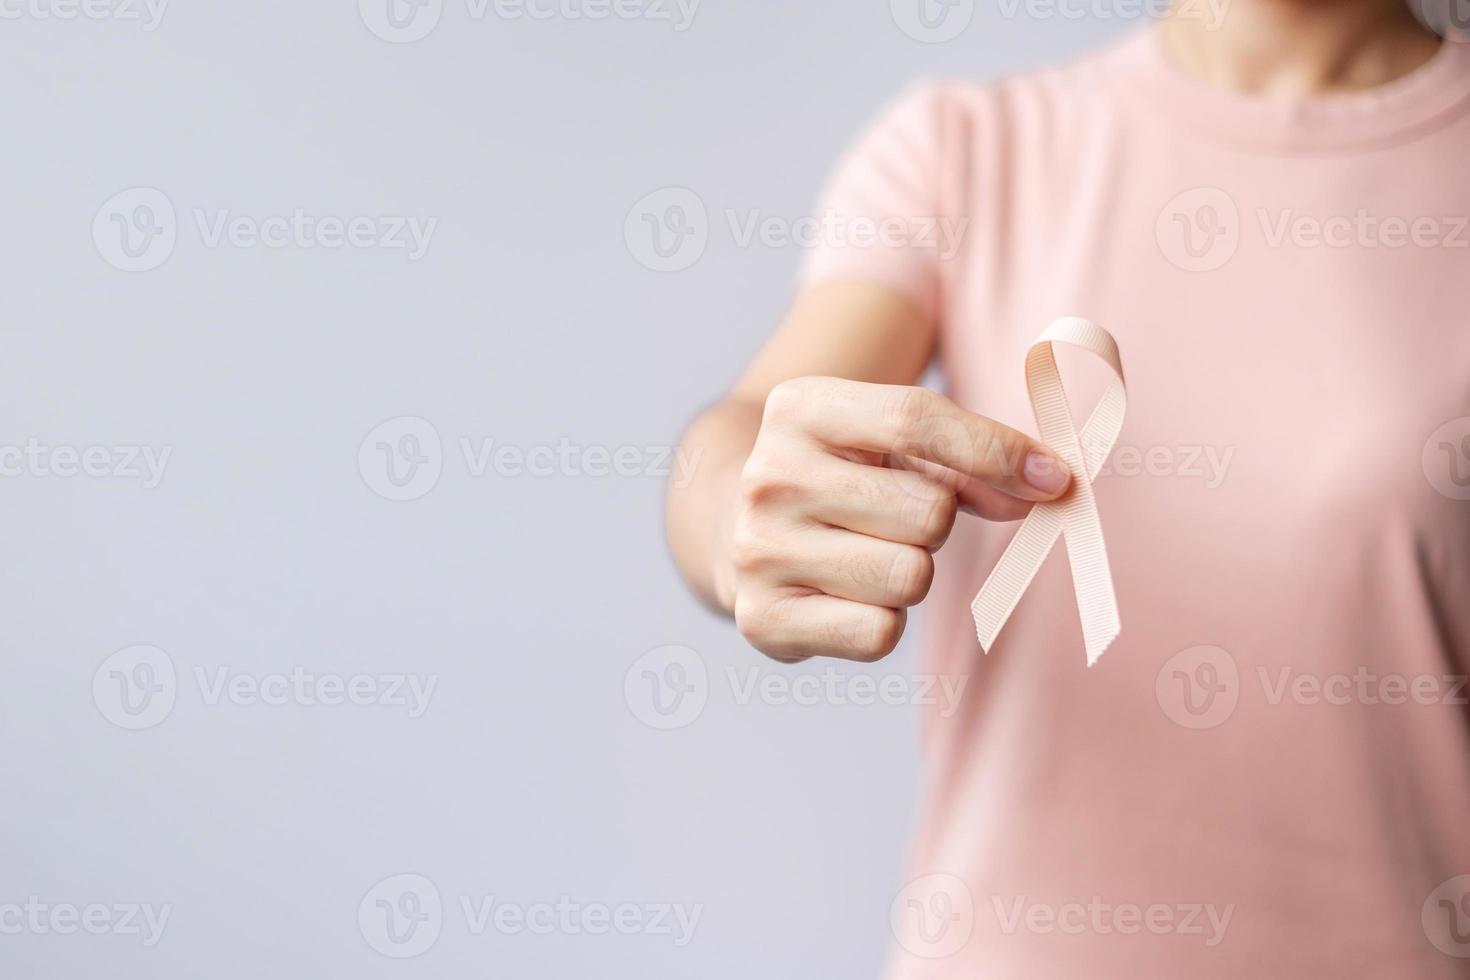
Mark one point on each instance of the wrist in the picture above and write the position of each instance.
(722, 574)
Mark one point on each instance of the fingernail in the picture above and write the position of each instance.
(1046, 473)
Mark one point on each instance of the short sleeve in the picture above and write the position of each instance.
(880, 217)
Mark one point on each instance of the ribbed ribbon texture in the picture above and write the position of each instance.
(1075, 516)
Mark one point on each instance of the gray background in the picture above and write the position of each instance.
(532, 774)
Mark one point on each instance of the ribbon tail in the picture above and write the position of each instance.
(1012, 575)
(1092, 576)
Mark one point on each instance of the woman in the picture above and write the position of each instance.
(1268, 774)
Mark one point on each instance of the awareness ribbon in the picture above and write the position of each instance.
(1075, 516)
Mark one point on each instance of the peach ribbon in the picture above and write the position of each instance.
(1075, 516)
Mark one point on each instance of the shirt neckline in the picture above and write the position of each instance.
(1424, 99)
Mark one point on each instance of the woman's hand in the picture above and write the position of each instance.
(849, 489)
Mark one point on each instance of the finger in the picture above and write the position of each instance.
(924, 424)
(857, 567)
(791, 627)
(977, 498)
(993, 505)
(893, 504)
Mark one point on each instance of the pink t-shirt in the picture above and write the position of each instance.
(1268, 774)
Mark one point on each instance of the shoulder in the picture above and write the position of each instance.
(1081, 85)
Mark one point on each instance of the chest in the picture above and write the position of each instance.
(1296, 338)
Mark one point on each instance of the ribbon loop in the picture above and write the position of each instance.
(1074, 517)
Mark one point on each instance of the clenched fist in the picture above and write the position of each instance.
(848, 491)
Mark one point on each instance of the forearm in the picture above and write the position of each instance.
(700, 509)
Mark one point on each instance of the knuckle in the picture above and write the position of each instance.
(861, 567)
(934, 517)
(910, 576)
(750, 549)
(876, 635)
(753, 618)
(762, 623)
(907, 408)
(767, 479)
(789, 399)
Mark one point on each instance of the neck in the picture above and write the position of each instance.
(1299, 47)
